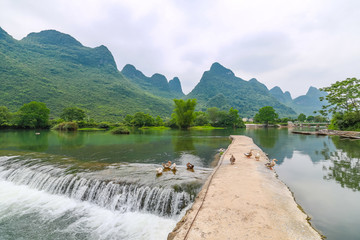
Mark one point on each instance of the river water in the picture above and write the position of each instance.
(94, 185)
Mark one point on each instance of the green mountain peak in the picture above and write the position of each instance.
(217, 68)
(52, 37)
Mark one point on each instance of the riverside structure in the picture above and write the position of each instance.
(244, 201)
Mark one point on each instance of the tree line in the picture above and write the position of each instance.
(36, 115)
(343, 98)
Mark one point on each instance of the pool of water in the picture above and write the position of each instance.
(94, 185)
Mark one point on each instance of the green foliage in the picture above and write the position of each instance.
(220, 88)
(225, 119)
(104, 125)
(343, 96)
(5, 115)
(33, 115)
(201, 119)
(310, 118)
(266, 115)
(50, 68)
(158, 121)
(66, 126)
(348, 121)
(72, 114)
(120, 130)
(128, 120)
(141, 119)
(301, 117)
(344, 103)
(184, 112)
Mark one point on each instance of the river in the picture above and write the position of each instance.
(94, 185)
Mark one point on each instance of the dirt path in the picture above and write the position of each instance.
(244, 201)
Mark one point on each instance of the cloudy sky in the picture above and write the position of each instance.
(292, 44)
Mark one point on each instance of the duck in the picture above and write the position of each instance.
(189, 166)
(248, 154)
(173, 167)
(232, 159)
(222, 150)
(159, 171)
(271, 164)
(257, 156)
(167, 165)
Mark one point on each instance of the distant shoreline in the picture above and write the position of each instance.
(327, 132)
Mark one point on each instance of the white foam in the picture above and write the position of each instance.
(82, 217)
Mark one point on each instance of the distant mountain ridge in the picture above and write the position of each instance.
(246, 96)
(306, 104)
(55, 68)
(156, 84)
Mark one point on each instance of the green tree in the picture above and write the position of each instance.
(344, 104)
(142, 120)
(310, 118)
(213, 114)
(266, 115)
(343, 96)
(33, 115)
(234, 120)
(70, 114)
(301, 117)
(184, 112)
(128, 120)
(158, 121)
(201, 119)
(5, 115)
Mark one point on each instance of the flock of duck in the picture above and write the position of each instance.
(171, 166)
(269, 165)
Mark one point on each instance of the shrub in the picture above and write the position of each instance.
(66, 126)
(104, 125)
(120, 130)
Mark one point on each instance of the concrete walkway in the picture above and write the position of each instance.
(244, 201)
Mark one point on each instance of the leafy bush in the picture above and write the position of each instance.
(120, 130)
(104, 125)
(349, 121)
(66, 126)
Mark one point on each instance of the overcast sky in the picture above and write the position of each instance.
(290, 44)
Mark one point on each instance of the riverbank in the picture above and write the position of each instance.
(244, 201)
(327, 132)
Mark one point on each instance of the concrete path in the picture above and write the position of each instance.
(244, 201)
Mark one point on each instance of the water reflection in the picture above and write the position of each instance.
(343, 163)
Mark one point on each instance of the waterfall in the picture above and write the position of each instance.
(117, 196)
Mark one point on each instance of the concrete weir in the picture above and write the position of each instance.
(245, 200)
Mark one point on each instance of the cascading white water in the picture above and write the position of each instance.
(27, 213)
(122, 197)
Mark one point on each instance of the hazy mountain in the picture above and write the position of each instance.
(306, 104)
(219, 87)
(283, 97)
(56, 69)
(156, 84)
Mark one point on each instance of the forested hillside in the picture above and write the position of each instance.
(157, 84)
(56, 69)
(219, 87)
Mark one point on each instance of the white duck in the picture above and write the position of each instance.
(173, 167)
(159, 171)
(257, 156)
